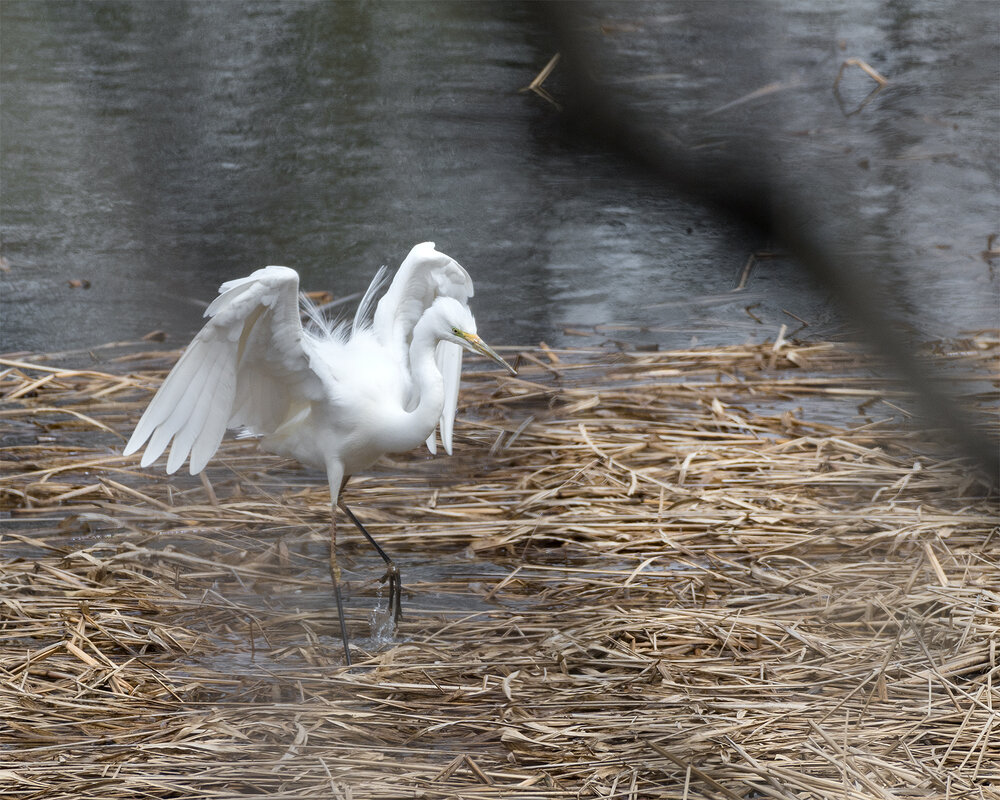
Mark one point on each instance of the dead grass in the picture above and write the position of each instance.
(642, 575)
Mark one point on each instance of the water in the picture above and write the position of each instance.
(157, 149)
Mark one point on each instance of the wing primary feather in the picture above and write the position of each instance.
(187, 397)
(205, 395)
(215, 425)
(160, 406)
(165, 400)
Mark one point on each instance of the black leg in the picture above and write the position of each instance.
(335, 577)
(391, 570)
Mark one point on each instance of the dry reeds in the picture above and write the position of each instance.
(642, 575)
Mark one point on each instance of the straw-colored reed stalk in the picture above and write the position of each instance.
(642, 575)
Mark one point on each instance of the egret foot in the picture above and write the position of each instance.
(395, 580)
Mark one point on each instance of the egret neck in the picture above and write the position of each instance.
(409, 429)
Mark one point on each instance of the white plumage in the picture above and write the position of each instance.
(333, 398)
(424, 275)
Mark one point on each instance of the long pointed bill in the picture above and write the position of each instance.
(480, 346)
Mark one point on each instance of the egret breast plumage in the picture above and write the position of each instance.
(331, 397)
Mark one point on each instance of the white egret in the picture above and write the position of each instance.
(335, 398)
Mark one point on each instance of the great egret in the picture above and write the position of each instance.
(335, 397)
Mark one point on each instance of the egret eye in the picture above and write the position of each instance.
(456, 331)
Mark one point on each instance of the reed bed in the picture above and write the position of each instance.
(738, 572)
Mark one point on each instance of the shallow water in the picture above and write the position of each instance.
(156, 149)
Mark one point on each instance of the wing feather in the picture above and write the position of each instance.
(252, 348)
(203, 447)
(179, 402)
(449, 359)
(213, 391)
(165, 399)
(424, 275)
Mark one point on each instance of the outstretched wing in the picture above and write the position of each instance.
(424, 275)
(249, 365)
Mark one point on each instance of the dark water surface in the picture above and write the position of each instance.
(155, 149)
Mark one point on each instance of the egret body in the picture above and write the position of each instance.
(336, 397)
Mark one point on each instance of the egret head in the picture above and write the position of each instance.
(455, 323)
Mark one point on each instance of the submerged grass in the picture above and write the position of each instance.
(642, 575)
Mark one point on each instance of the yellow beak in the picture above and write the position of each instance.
(477, 344)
